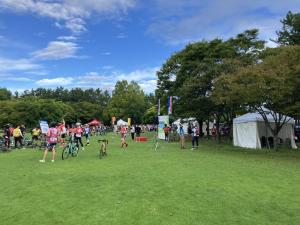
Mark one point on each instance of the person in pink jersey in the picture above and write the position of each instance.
(78, 135)
(123, 136)
(52, 139)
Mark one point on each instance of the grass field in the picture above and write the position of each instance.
(217, 184)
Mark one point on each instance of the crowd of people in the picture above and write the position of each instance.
(59, 132)
(193, 130)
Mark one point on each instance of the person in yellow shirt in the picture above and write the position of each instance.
(18, 136)
(35, 134)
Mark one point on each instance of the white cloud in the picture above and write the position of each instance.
(67, 38)
(17, 65)
(55, 81)
(71, 12)
(57, 50)
(77, 25)
(146, 78)
(179, 22)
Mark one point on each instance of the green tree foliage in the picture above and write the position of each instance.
(128, 100)
(5, 94)
(189, 75)
(150, 116)
(290, 33)
(272, 85)
(86, 104)
(30, 110)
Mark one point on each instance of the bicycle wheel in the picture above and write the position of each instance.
(65, 153)
(75, 150)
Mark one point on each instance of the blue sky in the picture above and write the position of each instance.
(94, 43)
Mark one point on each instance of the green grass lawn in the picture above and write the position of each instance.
(217, 184)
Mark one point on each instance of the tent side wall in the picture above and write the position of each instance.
(246, 135)
(286, 132)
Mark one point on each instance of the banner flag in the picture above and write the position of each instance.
(113, 120)
(129, 122)
(162, 121)
(44, 127)
(170, 105)
(158, 107)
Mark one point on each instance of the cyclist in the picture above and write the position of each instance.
(78, 135)
(52, 139)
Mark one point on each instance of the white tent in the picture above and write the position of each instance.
(250, 128)
(122, 123)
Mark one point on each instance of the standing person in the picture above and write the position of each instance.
(166, 131)
(23, 131)
(123, 136)
(87, 133)
(181, 136)
(138, 131)
(195, 136)
(18, 137)
(132, 131)
(63, 134)
(52, 139)
(11, 131)
(78, 135)
(35, 134)
(6, 136)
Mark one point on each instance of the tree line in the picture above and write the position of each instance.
(75, 105)
(219, 79)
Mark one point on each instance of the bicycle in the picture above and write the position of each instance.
(70, 149)
(103, 149)
(155, 142)
(2, 144)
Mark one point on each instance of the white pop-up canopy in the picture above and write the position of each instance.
(121, 123)
(249, 129)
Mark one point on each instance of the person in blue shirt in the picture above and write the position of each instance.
(181, 135)
(87, 133)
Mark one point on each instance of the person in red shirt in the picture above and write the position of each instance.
(78, 135)
(123, 137)
(166, 131)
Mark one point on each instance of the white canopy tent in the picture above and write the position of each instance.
(250, 128)
(122, 123)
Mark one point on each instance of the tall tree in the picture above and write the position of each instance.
(128, 100)
(290, 33)
(5, 94)
(189, 74)
(271, 87)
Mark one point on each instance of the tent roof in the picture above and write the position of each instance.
(94, 122)
(256, 117)
(121, 122)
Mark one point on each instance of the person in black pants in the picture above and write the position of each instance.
(132, 131)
